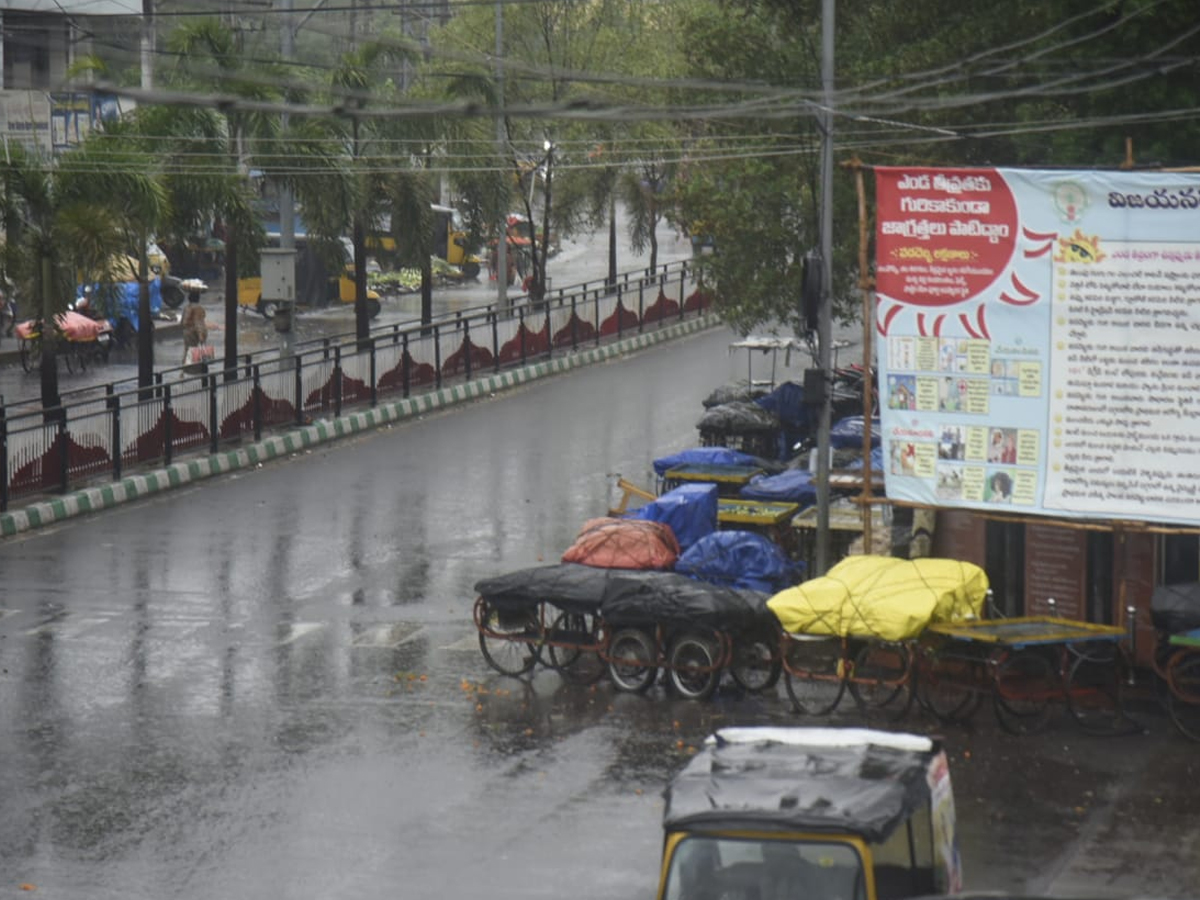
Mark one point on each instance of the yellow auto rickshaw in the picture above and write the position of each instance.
(818, 813)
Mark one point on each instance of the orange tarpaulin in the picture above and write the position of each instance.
(610, 543)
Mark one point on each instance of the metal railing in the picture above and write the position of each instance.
(104, 431)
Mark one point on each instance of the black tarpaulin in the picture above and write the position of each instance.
(1175, 608)
(864, 788)
(667, 598)
(739, 417)
(570, 587)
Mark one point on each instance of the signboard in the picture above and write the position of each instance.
(25, 120)
(1055, 570)
(1038, 341)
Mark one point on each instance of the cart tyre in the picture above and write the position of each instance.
(509, 639)
(374, 307)
(632, 660)
(814, 673)
(693, 666)
(1025, 683)
(947, 698)
(570, 635)
(1183, 699)
(756, 665)
(881, 681)
(31, 354)
(267, 308)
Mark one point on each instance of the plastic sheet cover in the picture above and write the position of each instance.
(690, 510)
(611, 543)
(865, 789)
(705, 456)
(792, 486)
(739, 417)
(882, 597)
(568, 586)
(787, 402)
(728, 393)
(847, 433)
(741, 559)
(668, 598)
(1175, 608)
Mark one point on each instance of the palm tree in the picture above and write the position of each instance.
(209, 58)
(382, 178)
(61, 221)
(113, 177)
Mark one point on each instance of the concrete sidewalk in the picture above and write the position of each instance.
(133, 487)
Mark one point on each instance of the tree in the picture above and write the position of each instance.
(63, 221)
(209, 58)
(114, 178)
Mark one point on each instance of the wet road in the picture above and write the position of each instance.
(269, 685)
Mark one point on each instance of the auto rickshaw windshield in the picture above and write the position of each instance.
(708, 867)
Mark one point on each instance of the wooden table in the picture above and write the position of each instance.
(729, 479)
(771, 519)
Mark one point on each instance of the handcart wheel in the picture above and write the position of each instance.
(569, 642)
(756, 665)
(814, 673)
(1024, 683)
(880, 681)
(31, 353)
(509, 638)
(632, 660)
(693, 665)
(1095, 685)
(1183, 700)
(946, 687)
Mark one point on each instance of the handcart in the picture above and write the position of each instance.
(1026, 666)
(856, 627)
(547, 615)
(1180, 671)
(691, 630)
(584, 621)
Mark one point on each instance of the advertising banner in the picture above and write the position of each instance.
(1039, 340)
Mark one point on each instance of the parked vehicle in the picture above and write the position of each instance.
(819, 813)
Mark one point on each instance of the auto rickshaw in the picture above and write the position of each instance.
(818, 813)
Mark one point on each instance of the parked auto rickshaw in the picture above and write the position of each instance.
(818, 813)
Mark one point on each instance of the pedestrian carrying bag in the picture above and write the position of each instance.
(200, 354)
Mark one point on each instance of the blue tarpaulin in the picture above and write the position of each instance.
(787, 402)
(690, 510)
(876, 460)
(792, 486)
(708, 456)
(847, 433)
(121, 300)
(741, 559)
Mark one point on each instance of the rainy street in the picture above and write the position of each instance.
(270, 685)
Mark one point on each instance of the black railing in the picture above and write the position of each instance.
(102, 432)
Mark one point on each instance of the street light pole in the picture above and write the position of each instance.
(825, 311)
(502, 240)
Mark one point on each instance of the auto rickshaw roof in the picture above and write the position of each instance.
(829, 780)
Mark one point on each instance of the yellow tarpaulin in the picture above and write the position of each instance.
(883, 597)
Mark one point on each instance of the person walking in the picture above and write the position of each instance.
(195, 328)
